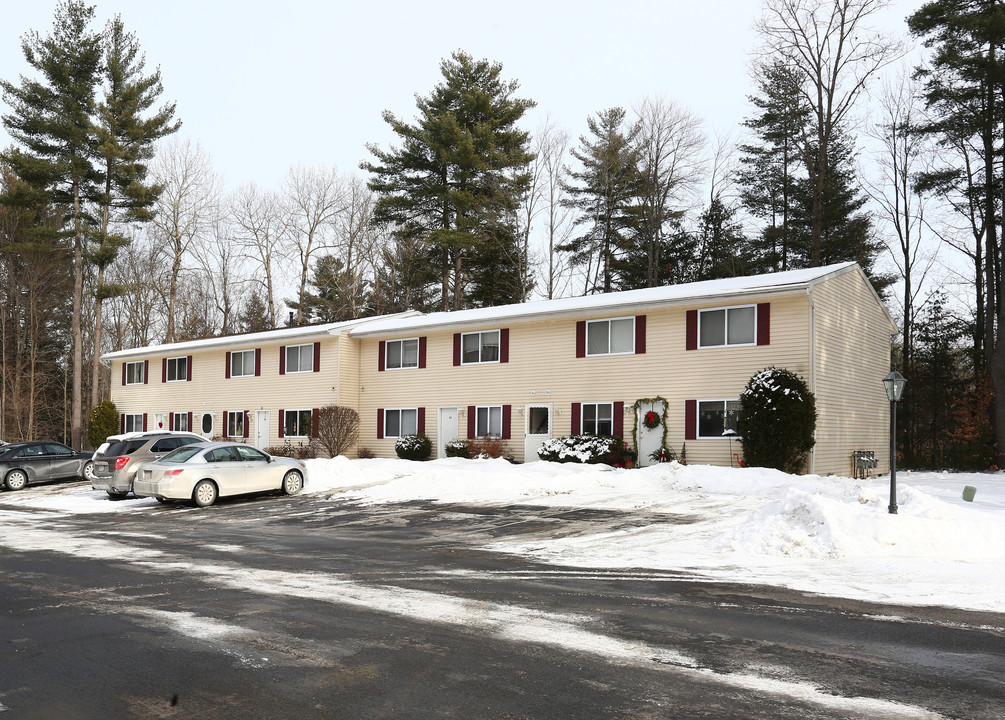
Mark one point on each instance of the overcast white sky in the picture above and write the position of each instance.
(265, 85)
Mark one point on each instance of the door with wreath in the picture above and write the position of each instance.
(649, 419)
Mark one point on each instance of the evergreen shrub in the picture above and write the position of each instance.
(583, 449)
(458, 448)
(102, 421)
(413, 447)
(777, 419)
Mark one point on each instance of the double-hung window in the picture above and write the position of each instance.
(235, 422)
(717, 416)
(610, 337)
(402, 354)
(598, 418)
(132, 422)
(489, 421)
(727, 326)
(480, 347)
(135, 374)
(242, 363)
(300, 358)
(400, 422)
(296, 423)
(176, 369)
(179, 421)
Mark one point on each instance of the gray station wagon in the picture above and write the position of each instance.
(114, 467)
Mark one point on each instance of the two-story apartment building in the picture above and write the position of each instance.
(529, 372)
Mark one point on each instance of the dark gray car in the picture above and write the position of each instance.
(115, 467)
(29, 462)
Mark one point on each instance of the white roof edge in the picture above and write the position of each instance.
(793, 281)
(249, 339)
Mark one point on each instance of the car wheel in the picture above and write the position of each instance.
(16, 479)
(292, 483)
(88, 471)
(204, 493)
(115, 495)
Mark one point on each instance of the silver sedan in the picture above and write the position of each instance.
(205, 471)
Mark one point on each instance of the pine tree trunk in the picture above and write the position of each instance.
(77, 339)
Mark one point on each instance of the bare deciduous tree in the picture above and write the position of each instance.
(336, 429)
(261, 230)
(550, 146)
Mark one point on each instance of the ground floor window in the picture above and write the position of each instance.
(717, 416)
(489, 421)
(179, 421)
(297, 423)
(132, 422)
(400, 422)
(598, 419)
(235, 423)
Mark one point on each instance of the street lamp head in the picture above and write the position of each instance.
(894, 384)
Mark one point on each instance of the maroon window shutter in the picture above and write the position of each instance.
(146, 371)
(188, 372)
(504, 345)
(507, 421)
(314, 422)
(420, 421)
(581, 339)
(122, 420)
(692, 330)
(472, 413)
(619, 419)
(763, 323)
(282, 423)
(422, 351)
(690, 419)
(170, 421)
(457, 351)
(577, 426)
(282, 361)
(246, 423)
(164, 369)
(227, 370)
(380, 421)
(144, 422)
(258, 362)
(381, 352)
(640, 334)
(123, 374)
(317, 357)
(190, 423)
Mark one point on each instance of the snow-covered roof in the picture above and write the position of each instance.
(248, 339)
(771, 283)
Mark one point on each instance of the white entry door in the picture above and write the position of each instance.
(538, 430)
(446, 430)
(650, 439)
(160, 421)
(261, 429)
(206, 425)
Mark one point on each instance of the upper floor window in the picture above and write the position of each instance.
(717, 416)
(480, 347)
(300, 358)
(610, 337)
(176, 369)
(401, 354)
(242, 363)
(727, 326)
(136, 372)
(598, 418)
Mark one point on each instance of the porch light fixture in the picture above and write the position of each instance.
(894, 384)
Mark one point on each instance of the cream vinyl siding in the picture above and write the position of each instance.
(542, 358)
(852, 358)
(211, 391)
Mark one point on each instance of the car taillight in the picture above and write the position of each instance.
(172, 473)
(120, 462)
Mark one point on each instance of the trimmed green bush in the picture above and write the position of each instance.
(102, 421)
(458, 448)
(777, 419)
(413, 447)
(583, 449)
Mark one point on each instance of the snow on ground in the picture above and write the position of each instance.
(826, 535)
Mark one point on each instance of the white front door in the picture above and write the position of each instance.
(261, 429)
(206, 425)
(650, 439)
(160, 423)
(538, 430)
(446, 430)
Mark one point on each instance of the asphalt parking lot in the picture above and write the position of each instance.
(315, 607)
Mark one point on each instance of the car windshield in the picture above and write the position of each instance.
(182, 454)
(124, 447)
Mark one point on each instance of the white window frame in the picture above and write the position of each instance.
(725, 328)
(167, 368)
(141, 372)
(401, 345)
(244, 364)
(300, 358)
(133, 419)
(400, 411)
(178, 418)
(240, 416)
(486, 412)
(296, 412)
(481, 347)
(725, 411)
(608, 321)
(582, 417)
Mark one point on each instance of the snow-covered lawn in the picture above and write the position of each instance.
(825, 535)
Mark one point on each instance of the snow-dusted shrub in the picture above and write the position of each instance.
(413, 447)
(776, 422)
(582, 449)
(458, 448)
(489, 447)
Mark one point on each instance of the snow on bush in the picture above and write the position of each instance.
(777, 419)
(580, 449)
(413, 447)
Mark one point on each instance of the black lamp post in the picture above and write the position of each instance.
(894, 384)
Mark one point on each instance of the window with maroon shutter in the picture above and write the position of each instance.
(764, 323)
(577, 419)
(297, 423)
(690, 419)
(692, 330)
(471, 422)
(171, 422)
(611, 336)
(483, 346)
(227, 371)
(381, 352)
(146, 371)
(314, 422)
(301, 358)
(619, 419)
(581, 339)
(398, 422)
(282, 423)
(598, 418)
(188, 370)
(177, 369)
(457, 350)
(144, 422)
(422, 351)
(164, 369)
(246, 423)
(282, 363)
(507, 422)
(640, 334)
(489, 421)
(258, 362)
(380, 422)
(420, 422)
(402, 354)
(189, 418)
(736, 325)
(135, 372)
(317, 357)
(122, 417)
(504, 345)
(124, 373)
